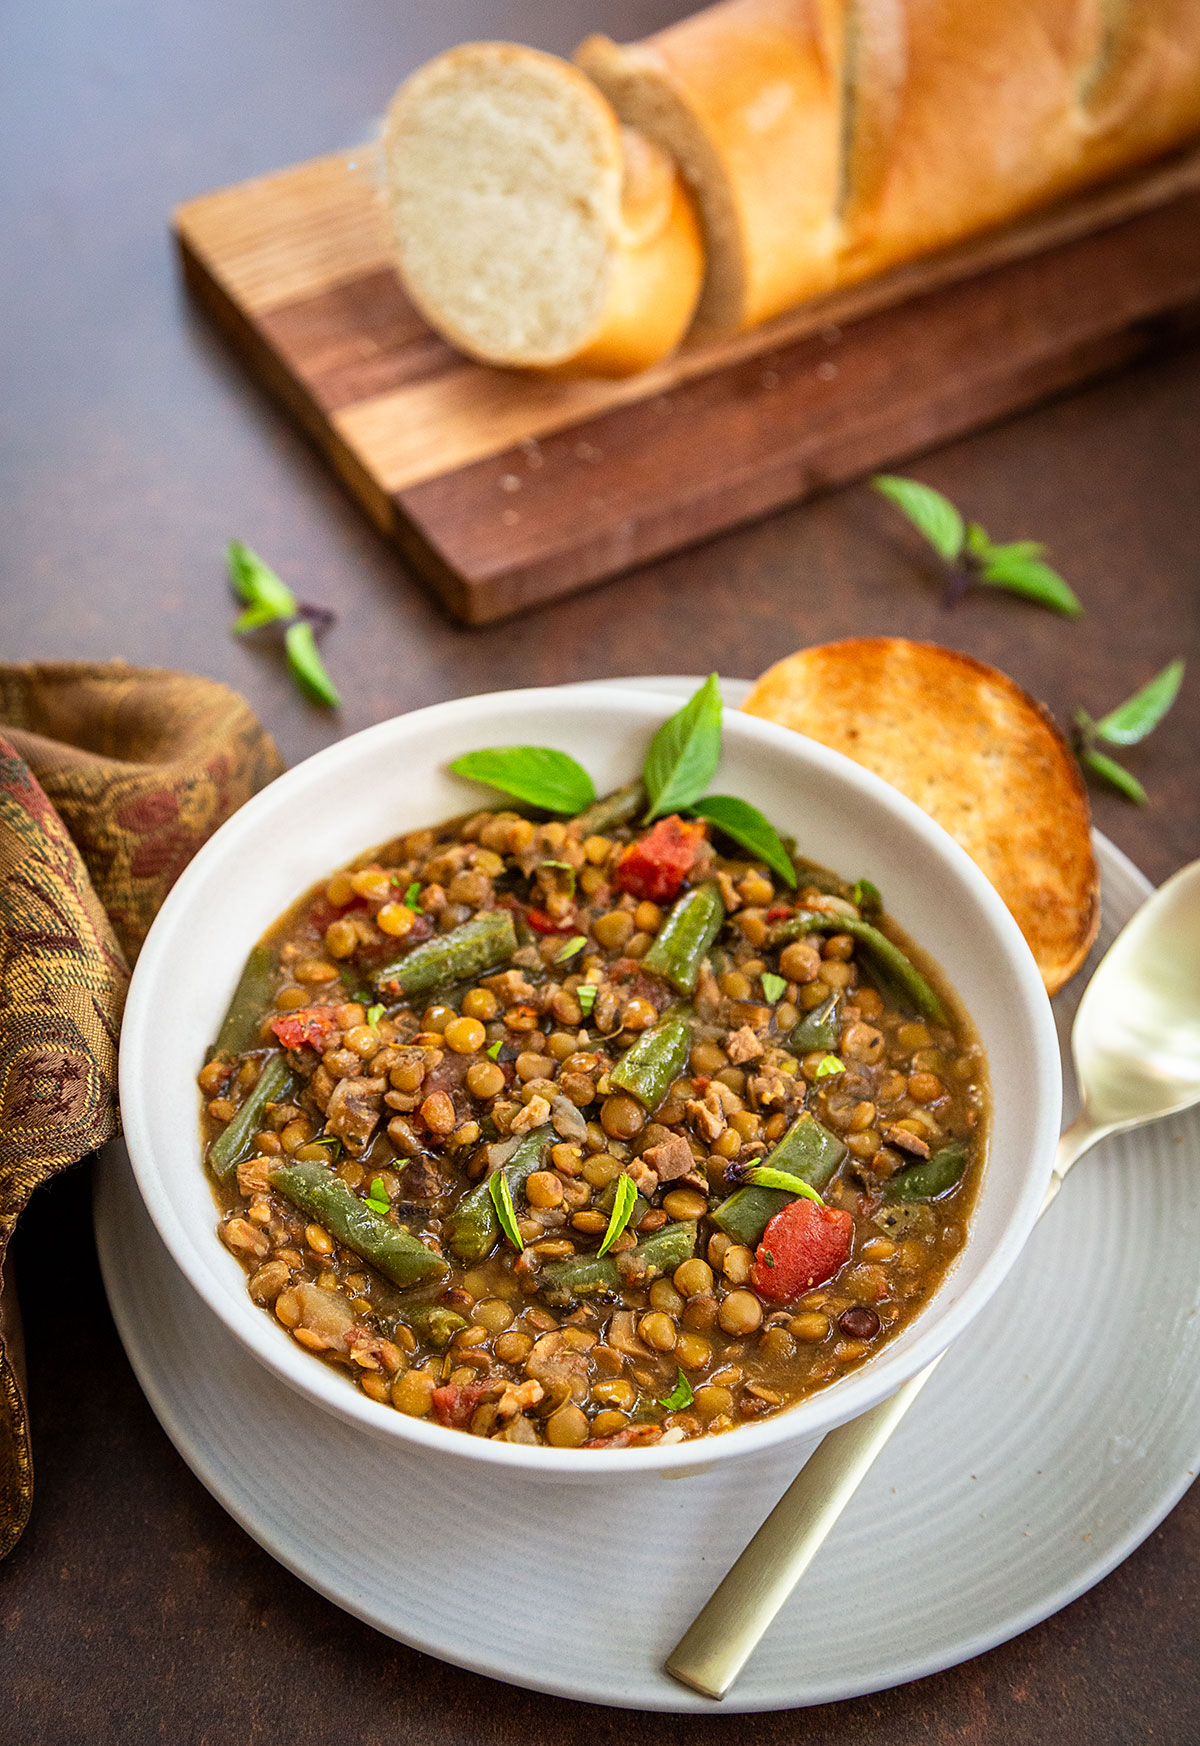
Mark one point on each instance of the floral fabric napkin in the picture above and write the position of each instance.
(111, 777)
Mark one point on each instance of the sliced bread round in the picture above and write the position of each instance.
(974, 751)
(530, 228)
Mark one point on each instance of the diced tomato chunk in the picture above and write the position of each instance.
(454, 1402)
(541, 923)
(313, 1025)
(803, 1245)
(656, 865)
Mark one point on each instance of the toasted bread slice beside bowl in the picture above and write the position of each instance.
(976, 753)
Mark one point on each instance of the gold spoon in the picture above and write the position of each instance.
(1136, 1045)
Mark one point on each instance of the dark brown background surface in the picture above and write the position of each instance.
(131, 449)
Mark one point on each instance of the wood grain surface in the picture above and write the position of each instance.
(508, 488)
(131, 449)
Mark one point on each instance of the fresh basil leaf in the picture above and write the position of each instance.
(306, 665)
(680, 1396)
(493, 1053)
(868, 899)
(506, 1212)
(538, 775)
(685, 752)
(762, 1176)
(747, 826)
(828, 1065)
(412, 897)
(1108, 768)
(571, 950)
(1029, 577)
(378, 1190)
(772, 986)
(585, 994)
(374, 1014)
(930, 513)
(258, 585)
(255, 617)
(624, 1202)
(1140, 714)
(382, 1207)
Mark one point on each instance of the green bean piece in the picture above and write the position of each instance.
(894, 964)
(931, 1177)
(808, 1151)
(236, 1141)
(651, 1066)
(611, 810)
(681, 943)
(240, 1026)
(819, 1029)
(473, 1230)
(433, 1322)
(584, 1275)
(398, 1255)
(483, 943)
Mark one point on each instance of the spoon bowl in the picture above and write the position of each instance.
(1136, 1038)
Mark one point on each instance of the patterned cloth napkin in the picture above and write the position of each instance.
(111, 777)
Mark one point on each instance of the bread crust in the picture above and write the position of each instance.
(653, 252)
(974, 751)
(900, 126)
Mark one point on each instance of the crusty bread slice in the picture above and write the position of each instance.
(746, 96)
(530, 227)
(975, 752)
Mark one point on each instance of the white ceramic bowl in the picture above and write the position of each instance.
(394, 777)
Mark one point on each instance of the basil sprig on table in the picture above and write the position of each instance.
(1126, 725)
(269, 601)
(969, 553)
(538, 775)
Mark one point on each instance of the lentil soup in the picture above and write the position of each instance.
(590, 1133)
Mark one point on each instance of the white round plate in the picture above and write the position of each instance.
(1053, 1438)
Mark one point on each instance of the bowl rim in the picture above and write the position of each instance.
(811, 1418)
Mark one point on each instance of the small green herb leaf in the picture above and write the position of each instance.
(412, 897)
(332, 1143)
(306, 665)
(1140, 714)
(538, 775)
(762, 1176)
(585, 994)
(1100, 764)
(623, 1204)
(506, 1212)
(828, 1065)
(566, 867)
(747, 826)
(772, 986)
(267, 596)
(1013, 568)
(930, 513)
(680, 1396)
(378, 1191)
(685, 752)
(768, 1257)
(494, 1051)
(255, 617)
(374, 1014)
(377, 1199)
(571, 950)
(868, 898)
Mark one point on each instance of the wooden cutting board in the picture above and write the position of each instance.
(504, 489)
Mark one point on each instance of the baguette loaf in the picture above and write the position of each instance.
(530, 227)
(826, 140)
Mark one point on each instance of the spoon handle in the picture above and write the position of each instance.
(720, 1640)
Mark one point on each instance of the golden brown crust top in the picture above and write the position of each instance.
(976, 753)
